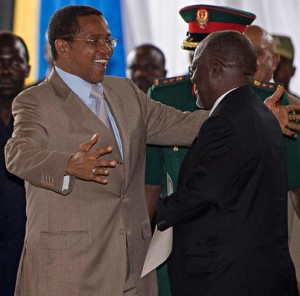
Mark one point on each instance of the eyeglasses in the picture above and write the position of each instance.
(192, 70)
(95, 43)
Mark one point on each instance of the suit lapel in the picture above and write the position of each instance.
(117, 108)
(74, 107)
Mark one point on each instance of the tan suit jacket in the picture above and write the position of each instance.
(77, 239)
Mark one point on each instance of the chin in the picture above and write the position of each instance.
(98, 79)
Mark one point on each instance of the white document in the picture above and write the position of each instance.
(161, 244)
(159, 250)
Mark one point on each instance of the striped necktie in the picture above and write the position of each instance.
(101, 110)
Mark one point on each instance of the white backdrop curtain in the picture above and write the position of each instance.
(158, 22)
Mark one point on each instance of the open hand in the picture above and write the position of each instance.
(285, 114)
(88, 165)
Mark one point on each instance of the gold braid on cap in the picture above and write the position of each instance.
(189, 44)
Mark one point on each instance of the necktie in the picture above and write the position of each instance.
(101, 110)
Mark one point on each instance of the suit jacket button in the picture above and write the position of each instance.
(122, 231)
(120, 162)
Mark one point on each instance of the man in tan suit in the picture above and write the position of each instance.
(87, 232)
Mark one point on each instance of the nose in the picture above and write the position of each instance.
(5, 67)
(138, 72)
(105, 49)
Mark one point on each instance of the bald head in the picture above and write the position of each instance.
(222, 61)
(267, 58)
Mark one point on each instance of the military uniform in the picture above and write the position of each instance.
(178, 93)
(263, 90)
(163, 163)
(284, 72)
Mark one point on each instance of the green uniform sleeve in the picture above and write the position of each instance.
(292, 146)
(154, 165)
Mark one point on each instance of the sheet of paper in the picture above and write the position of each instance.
(161, 244)
(159, 250)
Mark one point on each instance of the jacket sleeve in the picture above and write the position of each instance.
(208, 176)
(26, 152)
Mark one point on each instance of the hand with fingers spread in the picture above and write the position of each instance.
(285, 114)
(87, 164)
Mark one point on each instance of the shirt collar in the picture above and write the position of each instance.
(217, 102)
(79, 86)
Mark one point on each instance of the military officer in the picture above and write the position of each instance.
(286, 68)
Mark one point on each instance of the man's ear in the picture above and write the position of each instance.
(216, 68)
(293, 70)
(27, 70)
(62, 47)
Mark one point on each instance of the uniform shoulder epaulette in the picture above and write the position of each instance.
(265, 84)
(264, 89)
(169, 81)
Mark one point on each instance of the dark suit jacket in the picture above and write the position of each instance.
(229, 211)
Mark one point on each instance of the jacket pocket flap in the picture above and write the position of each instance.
(146, 228)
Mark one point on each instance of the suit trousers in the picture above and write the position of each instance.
(129, 288)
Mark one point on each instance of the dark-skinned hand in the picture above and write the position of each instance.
(285, 114)
(86, 164)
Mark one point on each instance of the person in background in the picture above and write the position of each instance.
(229, 209)
(145, 63)
(286, 68)
(267, 56)
(283, 74)
(267, 60)
(14, 68)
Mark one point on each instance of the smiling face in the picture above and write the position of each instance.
(82, 58)
(14, 66)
